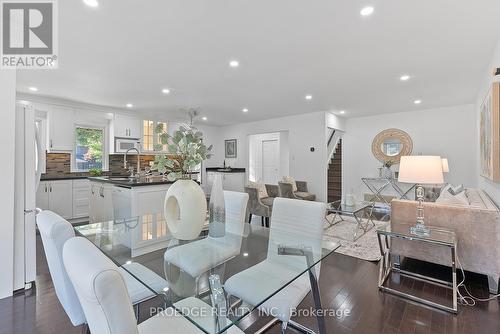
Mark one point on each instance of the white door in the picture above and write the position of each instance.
(270, 161)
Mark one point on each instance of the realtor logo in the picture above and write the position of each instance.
(29, 38)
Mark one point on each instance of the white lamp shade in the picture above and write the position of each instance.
(446, 167)
(421, 169)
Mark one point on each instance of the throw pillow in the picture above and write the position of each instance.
(261, 188)
(291, 180)
(456, 190)
(447, 198)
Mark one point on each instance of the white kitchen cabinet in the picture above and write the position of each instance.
(233, 181)
(61, 198)
(81, 198)
(230, 181)
(101, 202)
(56, 196)
(126, 126)
(42, 196)
(61, 129)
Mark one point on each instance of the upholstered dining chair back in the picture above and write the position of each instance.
(292, 218)
(100, 288)
(55, 231)
(236, 211)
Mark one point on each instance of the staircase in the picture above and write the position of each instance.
(335, 174)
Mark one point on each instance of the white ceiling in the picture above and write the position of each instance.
(126, 51)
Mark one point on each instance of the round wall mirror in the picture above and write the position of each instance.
(391, 145)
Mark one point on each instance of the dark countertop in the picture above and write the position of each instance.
(125, 182)
(225, 170)
(62, 177)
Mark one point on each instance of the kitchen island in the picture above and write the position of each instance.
(119, 198)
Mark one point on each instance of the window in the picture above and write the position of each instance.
(89, 148)
(149, 137)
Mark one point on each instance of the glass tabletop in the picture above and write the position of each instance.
(437, 235)
(186, 271)
(341, 207)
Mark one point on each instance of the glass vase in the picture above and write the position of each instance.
(216, 209)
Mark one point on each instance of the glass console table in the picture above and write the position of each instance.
(377, 186)
(439, 237)
(199, 268)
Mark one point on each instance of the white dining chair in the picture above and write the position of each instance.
(55, 231)
(105, 301)
(294, 223)
(199, 257)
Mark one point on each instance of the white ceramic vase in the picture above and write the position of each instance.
(185, 209)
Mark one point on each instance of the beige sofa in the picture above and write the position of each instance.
(477, 227)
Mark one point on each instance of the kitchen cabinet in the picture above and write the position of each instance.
(81, 198)
(56, 196)
(127, 127)
(100, 202)
(61, 129)
(42, 196)
(230, 181)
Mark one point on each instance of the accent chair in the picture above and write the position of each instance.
(261, 206)
(287, 191)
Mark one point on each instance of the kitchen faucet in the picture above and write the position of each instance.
(138, 160)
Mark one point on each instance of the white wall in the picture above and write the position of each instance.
(7, 135)
(335, 122)
(492, 188)
(447, 132)
(304, 131)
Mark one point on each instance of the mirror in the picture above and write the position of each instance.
(391, 145)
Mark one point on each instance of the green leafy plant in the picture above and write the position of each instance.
(388, 163)
(185, 150)
(95, 172)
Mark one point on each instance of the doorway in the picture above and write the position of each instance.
(268, 157)
(270, 161)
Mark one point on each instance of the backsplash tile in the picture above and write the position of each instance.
(58, 165)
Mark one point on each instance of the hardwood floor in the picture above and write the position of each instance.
(346, 283)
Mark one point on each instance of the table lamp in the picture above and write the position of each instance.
(446, 167)
(421, 169)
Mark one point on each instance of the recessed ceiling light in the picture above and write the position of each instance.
(245, 254)
(129, 105)
(204, 118)
(367, 11)
(165, 91)
(245, 110)
(91, 3)
(342, 112)
(33, 89)
(234, 63)
(309, 97)
(417, 101)
(404, 77)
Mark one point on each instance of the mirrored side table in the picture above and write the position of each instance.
(439, 237)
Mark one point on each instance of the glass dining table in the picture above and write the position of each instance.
(187, 270)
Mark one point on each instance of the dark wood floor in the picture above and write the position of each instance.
(346, 283)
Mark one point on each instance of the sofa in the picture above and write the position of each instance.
(477, 228)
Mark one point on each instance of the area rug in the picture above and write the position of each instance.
(365, 248)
